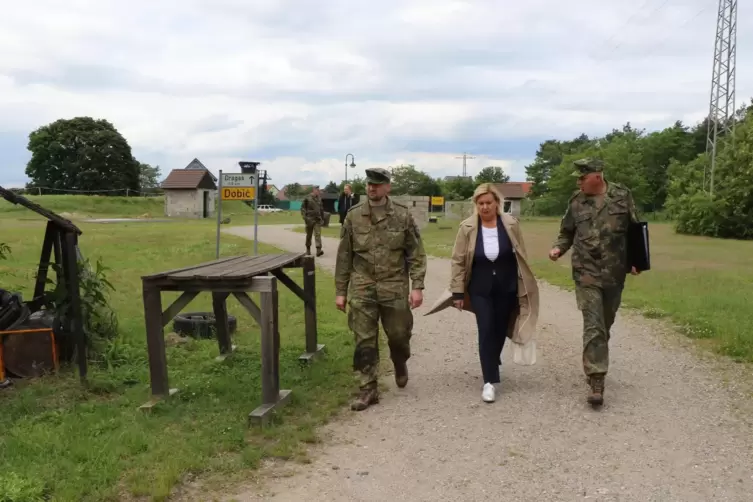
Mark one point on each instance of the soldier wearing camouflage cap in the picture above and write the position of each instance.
(595, 225)
(312, 212)
(380, 270)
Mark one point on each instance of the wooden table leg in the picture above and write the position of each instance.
(155, 342)
(309, 288)
(219, 304)
(272, 396)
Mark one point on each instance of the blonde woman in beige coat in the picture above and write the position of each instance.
(490, 277)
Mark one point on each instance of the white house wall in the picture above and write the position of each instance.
(188, 203)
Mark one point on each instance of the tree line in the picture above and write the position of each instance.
(668, 172)
(409, 180)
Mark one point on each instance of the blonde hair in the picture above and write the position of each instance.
(488, 188)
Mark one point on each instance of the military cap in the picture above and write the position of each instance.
(378, 176)
(587, 166)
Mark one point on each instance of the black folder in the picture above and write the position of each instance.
(639, 255)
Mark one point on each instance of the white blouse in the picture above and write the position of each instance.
(491, 242)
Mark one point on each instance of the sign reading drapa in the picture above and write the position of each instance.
(238, 193)
(238, 180)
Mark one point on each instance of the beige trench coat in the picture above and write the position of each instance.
(523, 323)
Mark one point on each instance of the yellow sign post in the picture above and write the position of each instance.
(437, 201)
(238, 193)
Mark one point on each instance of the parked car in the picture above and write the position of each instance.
(265, 208)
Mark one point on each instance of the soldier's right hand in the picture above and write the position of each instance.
(554, 254)
(340, 303)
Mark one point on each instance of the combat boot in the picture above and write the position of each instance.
(308, 251)
(401, 373)
(596, 396)
(366, 397)
(319, 252)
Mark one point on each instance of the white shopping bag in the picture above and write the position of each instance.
(524, 354)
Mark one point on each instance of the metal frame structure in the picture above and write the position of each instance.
(722, 100)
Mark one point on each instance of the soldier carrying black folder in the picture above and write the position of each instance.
(596, 225)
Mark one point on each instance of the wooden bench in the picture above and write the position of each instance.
(235, 276)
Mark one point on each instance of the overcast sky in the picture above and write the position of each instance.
(298, 84)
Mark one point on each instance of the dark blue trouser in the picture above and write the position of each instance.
(492, 317)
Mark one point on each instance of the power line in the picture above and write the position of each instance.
(464, 157)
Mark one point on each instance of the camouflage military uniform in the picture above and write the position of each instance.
(596, 229)
(312, 211)
(380, 250)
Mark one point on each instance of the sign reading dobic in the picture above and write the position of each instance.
(238, 193)
(245, 180)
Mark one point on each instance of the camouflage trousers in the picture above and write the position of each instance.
(364, 315)
(314, 227)
(599, 307)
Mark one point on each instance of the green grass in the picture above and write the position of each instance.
(79, 207)
(704, 285)
(63, 442)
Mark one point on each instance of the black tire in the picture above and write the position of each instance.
(200, 324)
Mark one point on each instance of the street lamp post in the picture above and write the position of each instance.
(352, 164)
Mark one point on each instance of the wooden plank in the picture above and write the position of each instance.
(249, 305)
(74, 293)
(313, 348)
(219, 305)
(261, 415)
(198, 285)
(200, 265)
(44, 260)
(240, 269)
(292, 286)
(213, 269)
(177, 306)
(155, 340)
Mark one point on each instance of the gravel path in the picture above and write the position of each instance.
(670, 429)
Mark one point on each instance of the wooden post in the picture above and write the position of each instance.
(75, 315)
(155, 342)
(272, 396)
(219, 304)
(309, 289)
(50, 235)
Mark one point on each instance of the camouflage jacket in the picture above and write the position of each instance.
(375, 258)
(312, 209)
(598, 236)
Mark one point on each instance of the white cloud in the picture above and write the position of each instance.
(298, 84)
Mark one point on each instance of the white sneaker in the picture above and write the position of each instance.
(488, 393)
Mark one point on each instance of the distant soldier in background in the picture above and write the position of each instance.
(312, 210)
(346, 201)
(380, 254)
(595, 225)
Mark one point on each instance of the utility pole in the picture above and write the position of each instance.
(722, 100)
(464, 157)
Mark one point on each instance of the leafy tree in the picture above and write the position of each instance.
(458, 188)
(491, 174)
(407, 180)
(728, 212)
(293, 190)
(548, 157)
(149, 176)
(331, 188)
(81, 154)
(623, 160)
(357, 184)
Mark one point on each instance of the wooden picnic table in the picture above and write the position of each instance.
(238, 276)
